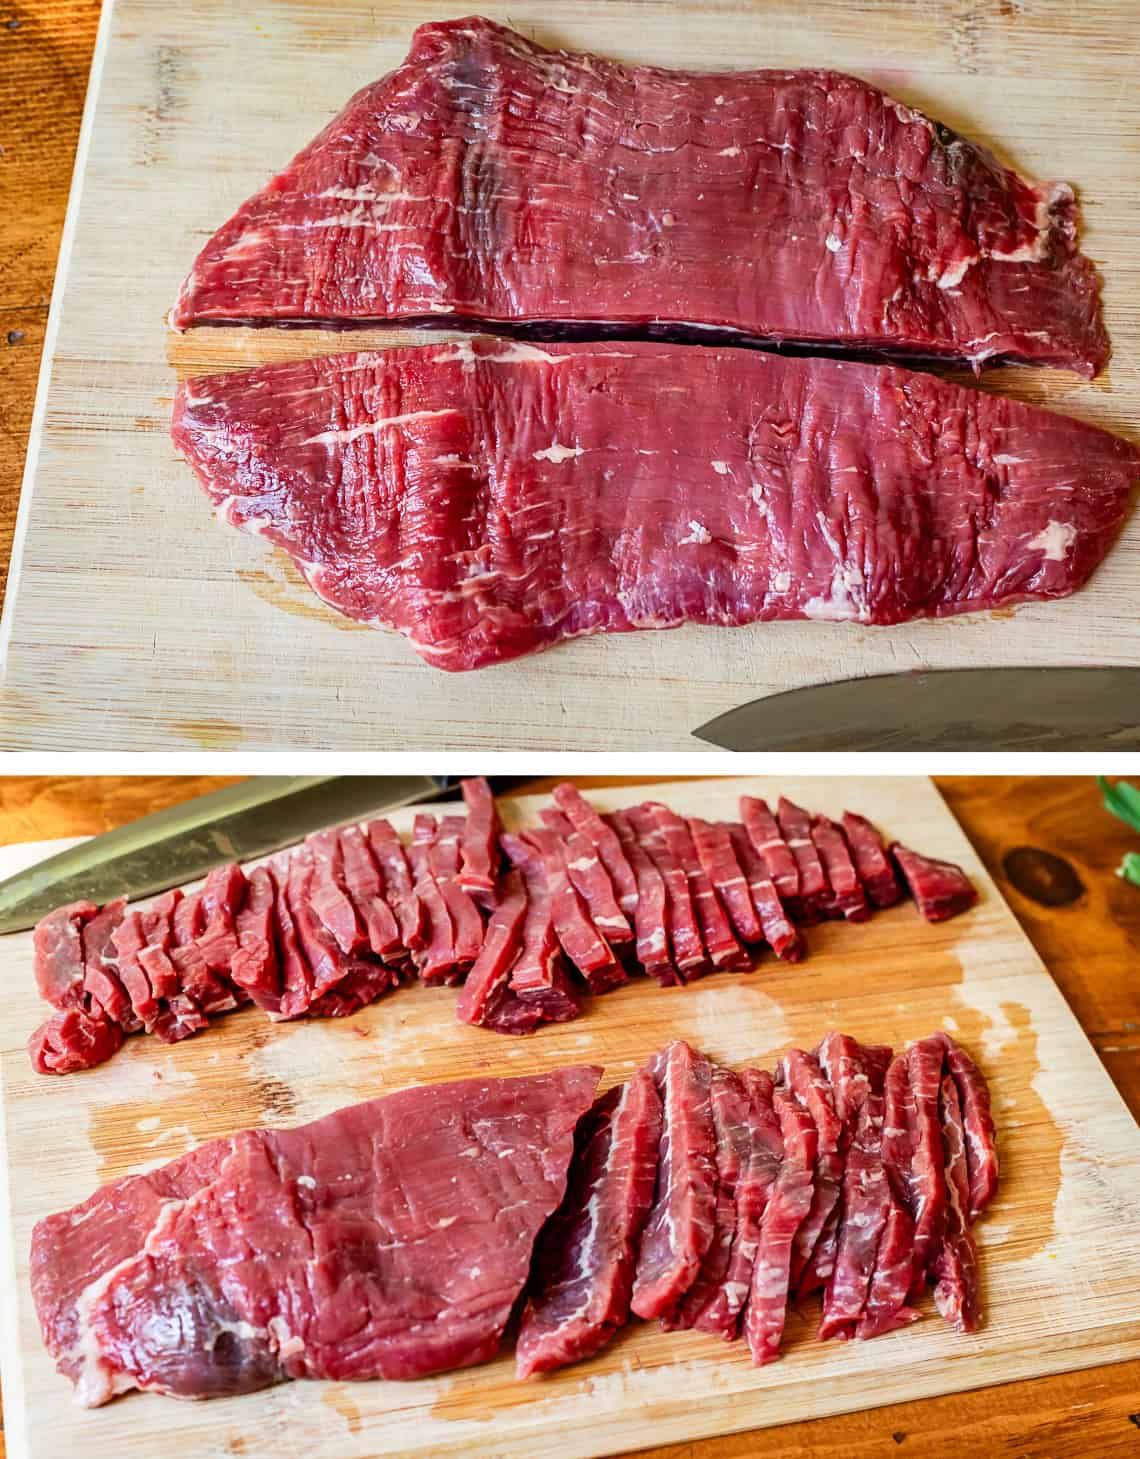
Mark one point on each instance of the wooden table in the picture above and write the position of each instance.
(1090, 944)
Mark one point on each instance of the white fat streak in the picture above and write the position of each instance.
(373, 428)
(721, 468)
(698, 534)
(558, 453)
(1054, 541)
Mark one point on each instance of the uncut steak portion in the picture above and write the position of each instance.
(490, 499)
(804, 206)
(255, 1260)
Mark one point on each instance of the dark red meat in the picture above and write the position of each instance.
(365, 887)
(848, 899)
(590, 878)
(680, 1226)
(981, 1148)
(255, 967)
(779, 933)
(802, 1076)
(650, 915)
(929, 1193)
(866, 1207)
(436, 961)
(101, 984)
(957, 1289)
(584, 1261)
(871, 861)
(787, 205)
(581, 941)
(487, 987)
(814, 893)
(255, 1260)
(491, 499)
(767, 840)
(329, 893)
(399, 890)
(465, 917)
(940, 888)
(539, 974)
(684, 934)
(720, 942)
(585, 819)
(480, 841)
(72, 1040)
(715, 851)
(58, 951)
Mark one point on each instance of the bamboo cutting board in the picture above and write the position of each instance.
(1060, 1248)
(133, 621)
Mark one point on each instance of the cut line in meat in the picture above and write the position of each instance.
(802, 206)
(508, 497)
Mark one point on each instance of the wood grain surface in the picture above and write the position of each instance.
(1088, 942)
(196, 636)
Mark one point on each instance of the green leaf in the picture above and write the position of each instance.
(1123, 800)
(1129, 868)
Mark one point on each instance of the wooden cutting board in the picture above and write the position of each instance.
(1060, 1248)
(133, 621)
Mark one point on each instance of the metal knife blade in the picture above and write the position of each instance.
(177, 845)
(944, 709)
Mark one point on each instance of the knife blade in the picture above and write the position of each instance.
(944, 709)
(179, 844)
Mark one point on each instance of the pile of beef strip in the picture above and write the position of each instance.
(529, 923)
(693, 1194)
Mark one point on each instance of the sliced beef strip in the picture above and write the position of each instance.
(130, 937)
(886, 1308)
(801, 1075)
(365, 886)
(940, 888)
(684, 934)
(479, 844)
(763, 1157)
(720, 942)
(715, 851)
(768, 841)
(981, 1147)
(865, 1211)
(871, 861)
(650, 913)
(581, 941)
(814, 892)
(848, 899)
(733, 1130)
(74, 1039)
(606, 841)
(788, 1204)
(929, 1193)
(957, 1290)
(590, 878)
(254, 1260)
(58, 951)
(488, 983)
(101, 985)
(297, 982)
(466, 919)
(538, 975)
(200, 988)
(436, 962)
(779, 933)
(256, 967)
(330, 966)
(329, 894)
(583, 1272)
(399, 889)
(680, 1226)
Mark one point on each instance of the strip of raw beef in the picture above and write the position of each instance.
(981, 1148)
(651, 912)
(491, 499)
(57, 944)
(871, 861)
(957, 1290)
(758, 1175)
(866, 1207)
(480, 841)
(895, 1264)
(885, 1308)
(680, 1226)
(364, 885)
(487, 987)
(465, 918)
(940, 888)
(179, 1016)
(801, 1075)
(130, 937)
(814, 893)
(590, 878)
(684, 934)
(716, 932)
(230, 1270)
(714, 848)
(584, 1261)
(786, 205)
(929, 1196)
(582, 815)
(399, 889)
(539, 975)
(73, 1040)
(779, 933)
(768, 841)
(581, 941)
(200, 991)
(788, 1204)
(848, 899)
(102, 987)
(255, 967)
(328, 964)
(436, 962)
(732, 1127)
(329, 893)
(297, 989)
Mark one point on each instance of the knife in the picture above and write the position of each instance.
(174, 846)
(944, 709)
